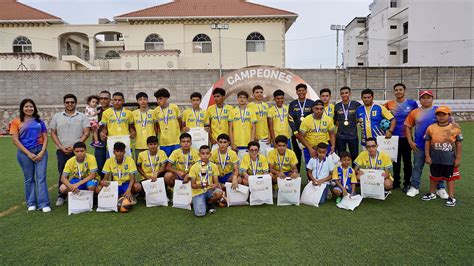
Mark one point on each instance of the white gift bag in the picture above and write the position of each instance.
(199, 137)
(289, 191)
(155, 193)
(236, 197)
(107, 198)
(389, 146)
(265, 147)
(350, 202)
(240, 154)
(260, 190)
(182, 195)
(113, 139)
(334, 158)
(372, 184)
(80, 201)
(312, 194)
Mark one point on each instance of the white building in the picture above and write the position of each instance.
(412, 33)
(175, 35)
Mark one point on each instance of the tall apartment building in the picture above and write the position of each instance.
(412, 33)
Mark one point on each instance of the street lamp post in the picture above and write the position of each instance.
(220, 26)
(337, 28)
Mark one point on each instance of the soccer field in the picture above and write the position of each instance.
(400, 230)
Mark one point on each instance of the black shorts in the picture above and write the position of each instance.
(441, 172)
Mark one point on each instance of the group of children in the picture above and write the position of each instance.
(249, 139)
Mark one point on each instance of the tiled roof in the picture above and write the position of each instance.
(11, 10)
(207, 8)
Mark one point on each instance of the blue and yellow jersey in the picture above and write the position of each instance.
(370, 118)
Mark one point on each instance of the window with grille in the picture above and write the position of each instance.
(255, 43)
(112, 55)
(154, 43)
(202, 44)
(21, 44)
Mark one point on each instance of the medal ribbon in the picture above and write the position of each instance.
(254, 170)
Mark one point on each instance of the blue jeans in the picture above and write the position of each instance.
(200, 202)
(418, 164)
(39, 198)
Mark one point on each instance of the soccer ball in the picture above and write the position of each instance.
(124, 205)
(384, 124)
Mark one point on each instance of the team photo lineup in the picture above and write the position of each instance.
(226, 155)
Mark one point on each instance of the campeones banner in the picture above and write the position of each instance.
(269, 77)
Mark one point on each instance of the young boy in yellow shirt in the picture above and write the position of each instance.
(181, 160)
(151, 163)
(145, 123)
(345, 177)
(204, 183)
(80, 172)
(282, 161)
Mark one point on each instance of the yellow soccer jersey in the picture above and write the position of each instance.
(340, 174)
(190, 117)
(218, 119)
(280, 120)
(259, 167)
(151, 163)
(261, 112)
(316, 130)
(75, 169)
(195, 174)
(242, 121)
(145, 127)
(117, 121)
(225, 162)
(284, 162)
(120, 172)
(169, 124)
(382, 161)
(329, 110)
(183, 162)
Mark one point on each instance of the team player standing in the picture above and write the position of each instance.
(252, 138)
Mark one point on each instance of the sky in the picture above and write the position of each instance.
(309, 42)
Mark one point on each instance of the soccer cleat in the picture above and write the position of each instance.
(60, 202)
(412, 192)
(442, 193)
(46, 209)
(338, 199)
(32, 208)
(428, 197)
(451, 202)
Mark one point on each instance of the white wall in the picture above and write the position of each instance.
(437, 29)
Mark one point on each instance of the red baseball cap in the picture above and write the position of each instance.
(425, 92)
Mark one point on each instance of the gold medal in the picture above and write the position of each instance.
(301, 118)
(144, 131)
(119, 129)
(346, 123)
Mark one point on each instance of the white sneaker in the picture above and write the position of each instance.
(412, 192)
(442, 193)
(32, 208)
(60, 202)
(46, 209)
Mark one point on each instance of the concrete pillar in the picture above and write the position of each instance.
(92, 48)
